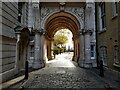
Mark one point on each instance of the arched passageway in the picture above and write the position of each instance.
(77, 21)
(57, 21)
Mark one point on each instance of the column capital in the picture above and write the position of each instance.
(81, 32)
(88, 31)
(36, 31)
(40, 31)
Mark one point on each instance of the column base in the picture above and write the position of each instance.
(85, 64)
(81, 63)
(50, 58)
(36, 65)
(42, 63)
(94, 63)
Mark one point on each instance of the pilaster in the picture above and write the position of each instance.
(87, 62)
(85, 52)
(39, 50)
(36, 62)
(82, 53)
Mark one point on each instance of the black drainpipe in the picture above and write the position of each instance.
(97, 54)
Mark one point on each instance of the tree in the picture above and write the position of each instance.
(60, 40)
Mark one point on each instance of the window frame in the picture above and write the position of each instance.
(114, 9)
(102, 17)
(103, 54)
(93, 51)
(116, 56)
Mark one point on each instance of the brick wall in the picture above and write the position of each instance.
(108, 38)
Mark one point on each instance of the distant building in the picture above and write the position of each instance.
(108, 33)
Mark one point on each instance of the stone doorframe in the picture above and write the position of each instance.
(23, 35)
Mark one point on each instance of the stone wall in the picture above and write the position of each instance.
(8, 43)
(8, 21)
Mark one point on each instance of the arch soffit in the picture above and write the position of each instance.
(58, 23)
(81, 22)
(62, 20)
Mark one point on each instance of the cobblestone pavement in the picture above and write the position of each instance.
(63, 73)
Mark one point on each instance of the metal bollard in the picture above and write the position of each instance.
(26, 70)
(101, 69)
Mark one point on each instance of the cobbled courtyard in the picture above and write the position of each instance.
(62, 72)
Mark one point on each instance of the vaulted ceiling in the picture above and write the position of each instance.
(62, 20)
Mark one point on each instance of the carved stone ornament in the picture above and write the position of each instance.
(45, 11)
(79, 12)
(62, 6)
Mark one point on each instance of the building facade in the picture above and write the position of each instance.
(108, 31)
(28, 29)
(9, 19)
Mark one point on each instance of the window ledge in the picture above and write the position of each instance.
(116, 65)
(102, 31)
(114, 16)
(92, 58)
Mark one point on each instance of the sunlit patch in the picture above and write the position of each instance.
(69, 35)
(62, 61)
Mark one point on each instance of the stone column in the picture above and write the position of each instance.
(51, 48)
(42, 50)
(82, 53)
(89, 32)
(87, 62)
(36, 62)
(74, 50)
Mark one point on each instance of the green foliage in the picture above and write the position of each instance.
(58, 50)
(60, 40)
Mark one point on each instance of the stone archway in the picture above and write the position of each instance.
(76, 18)
(57, 21)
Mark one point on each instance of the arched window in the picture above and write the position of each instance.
(103, 55)
(20, 11)
(116, 56)
(93, 51)
(114, 8)
(102, 16)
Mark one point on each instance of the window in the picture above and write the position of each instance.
(114, 8)
(116, 60)
(104, 55)
(92, 51)
(20, 11)
(102, 16)
(32, 51)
